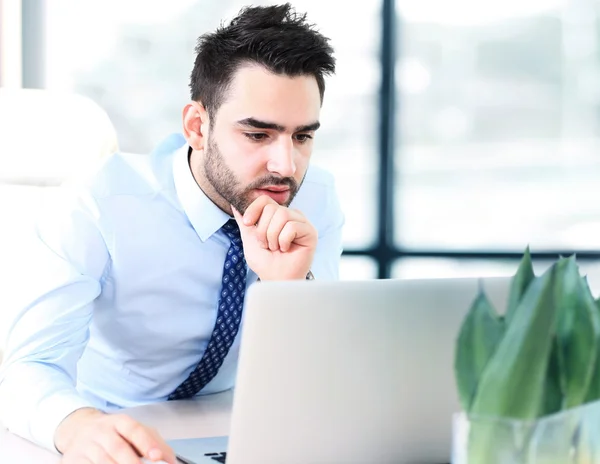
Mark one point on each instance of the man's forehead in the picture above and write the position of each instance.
(257, 94)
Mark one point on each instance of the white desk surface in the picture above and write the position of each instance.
(203, 417)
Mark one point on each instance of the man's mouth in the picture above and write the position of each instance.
(280, 194)
(276, 188)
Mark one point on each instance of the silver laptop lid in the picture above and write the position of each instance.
(350, 372)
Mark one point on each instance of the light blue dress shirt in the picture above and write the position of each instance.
(124, 287)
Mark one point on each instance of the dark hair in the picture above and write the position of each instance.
(275, 37)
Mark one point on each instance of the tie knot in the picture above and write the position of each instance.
(232, 230)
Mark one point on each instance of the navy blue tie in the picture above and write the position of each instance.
(229, 316)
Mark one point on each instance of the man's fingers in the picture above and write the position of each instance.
(143, 441)
(263, 232)
(99, 454)
(237, 215)
(271, 220)
(287, 236)
(113, 439)
(163, 452)
(244, 229)
(276, 225)
(254, 211)
(168, 454)
(119, 448)
(295, 233)
(135, 433)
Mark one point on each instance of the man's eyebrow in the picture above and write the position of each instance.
(257, 124)
(309, 127)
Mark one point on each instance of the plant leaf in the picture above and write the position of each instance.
(479, 336)
(519, 284)
(576, 332)
(593, 392)
(512, 384)
(553, 397)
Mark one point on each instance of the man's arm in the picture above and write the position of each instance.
(49, 329)
(38, 398)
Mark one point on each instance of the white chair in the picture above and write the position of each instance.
(46, 138)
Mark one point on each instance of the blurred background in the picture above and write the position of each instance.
(459, 132)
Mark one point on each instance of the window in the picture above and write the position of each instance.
(500, 126)
(492, 121)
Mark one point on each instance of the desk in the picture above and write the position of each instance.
(203, 417)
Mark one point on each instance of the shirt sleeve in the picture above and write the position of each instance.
(49, 323)
(326, 264)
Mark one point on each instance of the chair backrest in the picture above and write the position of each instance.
(46, 138)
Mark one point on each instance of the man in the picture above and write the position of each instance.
(137, 291)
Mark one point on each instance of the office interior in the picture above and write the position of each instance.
(459, 133)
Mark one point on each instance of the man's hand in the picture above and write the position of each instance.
(279, 242)
(89, 436)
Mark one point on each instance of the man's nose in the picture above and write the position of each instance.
(281, 159)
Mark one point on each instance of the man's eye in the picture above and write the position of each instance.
(255, 136)
(303, 137)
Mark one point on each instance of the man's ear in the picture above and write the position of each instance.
(195, 125)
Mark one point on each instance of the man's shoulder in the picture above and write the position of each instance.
(317, 198)
(318, 177)
(127, 174)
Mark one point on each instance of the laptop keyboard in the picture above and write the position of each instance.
(219, 457)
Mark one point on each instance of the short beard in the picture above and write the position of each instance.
(224, 182)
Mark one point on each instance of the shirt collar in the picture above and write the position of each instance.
(206, 217)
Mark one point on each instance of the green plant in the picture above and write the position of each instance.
(539, 358)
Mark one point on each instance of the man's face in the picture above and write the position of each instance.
(262, 138)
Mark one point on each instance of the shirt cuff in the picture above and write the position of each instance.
(50, 412)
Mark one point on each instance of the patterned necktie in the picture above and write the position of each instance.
(229, 315)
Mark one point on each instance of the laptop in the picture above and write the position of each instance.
(346, 372)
